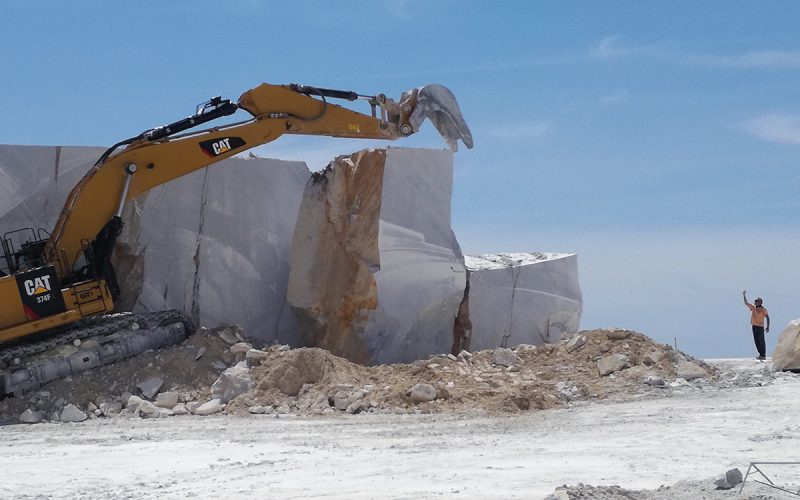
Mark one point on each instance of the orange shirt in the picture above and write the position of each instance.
(757, 315)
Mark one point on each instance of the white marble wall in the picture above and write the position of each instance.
(522, 298)
(215, 244)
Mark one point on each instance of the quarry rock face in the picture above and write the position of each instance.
(215, 244)
(377, 275)
(522, 298)
(787, 352)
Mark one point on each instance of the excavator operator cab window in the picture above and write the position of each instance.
(21, 251)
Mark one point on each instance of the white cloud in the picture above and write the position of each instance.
(777, 59)
(612, 47)
(615, 97)
(517, 131)
(775, 127)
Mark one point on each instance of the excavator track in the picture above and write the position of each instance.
(114, 337)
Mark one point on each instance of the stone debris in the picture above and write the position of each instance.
(618, 334)
(209, 408)
(421, 393)
(232, 382)
(150, 387)
(31, 417)
(167, 399)
(575, 343)
(72, 413)
(690, 371)
(110, 408)
(612, 363)
(729, 480)
(254, 357)
(505, 357)
(312, 381)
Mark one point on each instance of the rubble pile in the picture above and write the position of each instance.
(220, 371)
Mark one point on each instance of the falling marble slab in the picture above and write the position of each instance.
(215, 244)
(376, 272)
(522, 298)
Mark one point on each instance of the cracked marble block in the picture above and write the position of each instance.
(215, 244)
(522, 298)
(35, 181)
(377, 275)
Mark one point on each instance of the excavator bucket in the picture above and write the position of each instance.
(436, 103)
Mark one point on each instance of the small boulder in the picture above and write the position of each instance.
(180, 409)
(421, 393)
(147, 409)
(232, 334)
(133, 402)
(505, 357)
(209, 408)
(688, 370)
(231, 383)
(72, 413)
(150, 387)
(167, 399)
(576, 343)
(239, 350)
(618, 334)
(730, 480)
(612, 363)
(355, 407)
(254, 357)
(655, 381)
(257, 410)
(110, 408)
(30, 417)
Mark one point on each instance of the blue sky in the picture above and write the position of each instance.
(658, 140)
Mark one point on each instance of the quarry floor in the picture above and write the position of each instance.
(688, 435)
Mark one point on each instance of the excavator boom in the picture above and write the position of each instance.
(68, 276)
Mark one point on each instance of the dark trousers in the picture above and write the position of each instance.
(758, 337)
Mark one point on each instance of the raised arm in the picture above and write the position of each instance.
(744, 297)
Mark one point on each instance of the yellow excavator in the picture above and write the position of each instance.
(59, 289)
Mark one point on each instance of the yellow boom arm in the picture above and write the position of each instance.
(145, 164)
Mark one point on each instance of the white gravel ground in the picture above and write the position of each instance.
(693, 435)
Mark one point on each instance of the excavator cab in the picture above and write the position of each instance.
(22, 250)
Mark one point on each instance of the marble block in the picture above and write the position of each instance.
(522, 298)
(376, 272)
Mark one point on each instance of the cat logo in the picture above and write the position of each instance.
(37, 286)
(221, 145)
(40, 291)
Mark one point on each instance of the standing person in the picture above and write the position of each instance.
(757, 315)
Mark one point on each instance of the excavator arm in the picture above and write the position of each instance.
(158, 156)
(67, 277)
